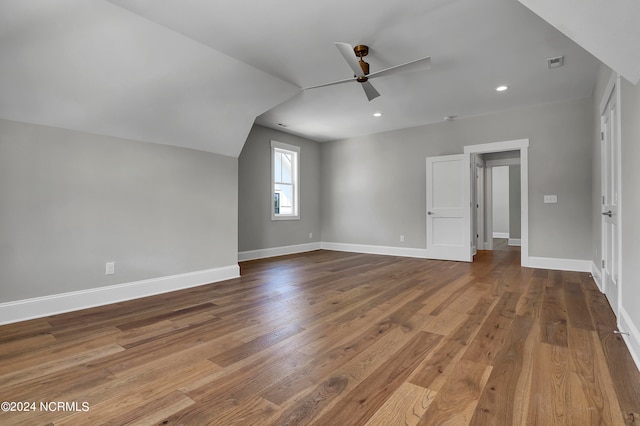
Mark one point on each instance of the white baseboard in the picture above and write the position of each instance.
(633, 339)
(486, 245)
(277, 251)
(558, 264)
(531, 262)
(514, 242)
(368, 249)
(37, 307)
(597, 276)
(500, 235)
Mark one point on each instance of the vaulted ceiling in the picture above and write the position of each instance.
(197, 73)
(610, 30)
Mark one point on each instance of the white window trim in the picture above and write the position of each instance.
(296, 194)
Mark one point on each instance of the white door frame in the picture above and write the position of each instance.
(488, 202)
(514, 145)
(480, 194)
(612, 91)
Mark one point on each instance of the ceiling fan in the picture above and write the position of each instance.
(361, 68)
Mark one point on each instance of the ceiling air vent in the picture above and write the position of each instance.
(556, 62)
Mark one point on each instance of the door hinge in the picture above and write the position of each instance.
(603, 200)
(603, 263)
(601, 136)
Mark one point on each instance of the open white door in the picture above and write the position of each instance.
(610, 200)
(449, 208)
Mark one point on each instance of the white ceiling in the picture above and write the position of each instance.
(196, 73)
(95, 67)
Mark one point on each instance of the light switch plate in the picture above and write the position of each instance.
(550, 199)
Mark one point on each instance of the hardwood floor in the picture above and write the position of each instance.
(334, 338)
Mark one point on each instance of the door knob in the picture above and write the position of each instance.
(609, 213)
(429, 213)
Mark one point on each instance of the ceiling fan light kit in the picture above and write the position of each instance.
(361, 71)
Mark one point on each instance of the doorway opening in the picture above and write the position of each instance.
(497, 195)
(486, 157)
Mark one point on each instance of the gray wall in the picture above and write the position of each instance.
(72, 201)
(256, 230)
(630, 132)
(514, 203)
(373, 187)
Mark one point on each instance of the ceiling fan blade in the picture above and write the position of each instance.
(370, 91)
(346, 80)
(348, 54)
(418, 64)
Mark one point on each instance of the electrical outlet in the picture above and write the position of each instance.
(402, 238)
(550, 199)
(110, 268)
(310, 234)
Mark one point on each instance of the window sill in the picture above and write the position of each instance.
(278, 218)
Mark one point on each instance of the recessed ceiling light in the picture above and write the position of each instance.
(501, 88)
(377, 114)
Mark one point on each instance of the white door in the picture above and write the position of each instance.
(610, 232)
(448, 207)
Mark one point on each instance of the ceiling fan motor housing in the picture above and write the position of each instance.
(361, 50)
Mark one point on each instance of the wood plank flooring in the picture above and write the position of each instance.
(333, 338)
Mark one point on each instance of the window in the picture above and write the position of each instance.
(285, 176)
